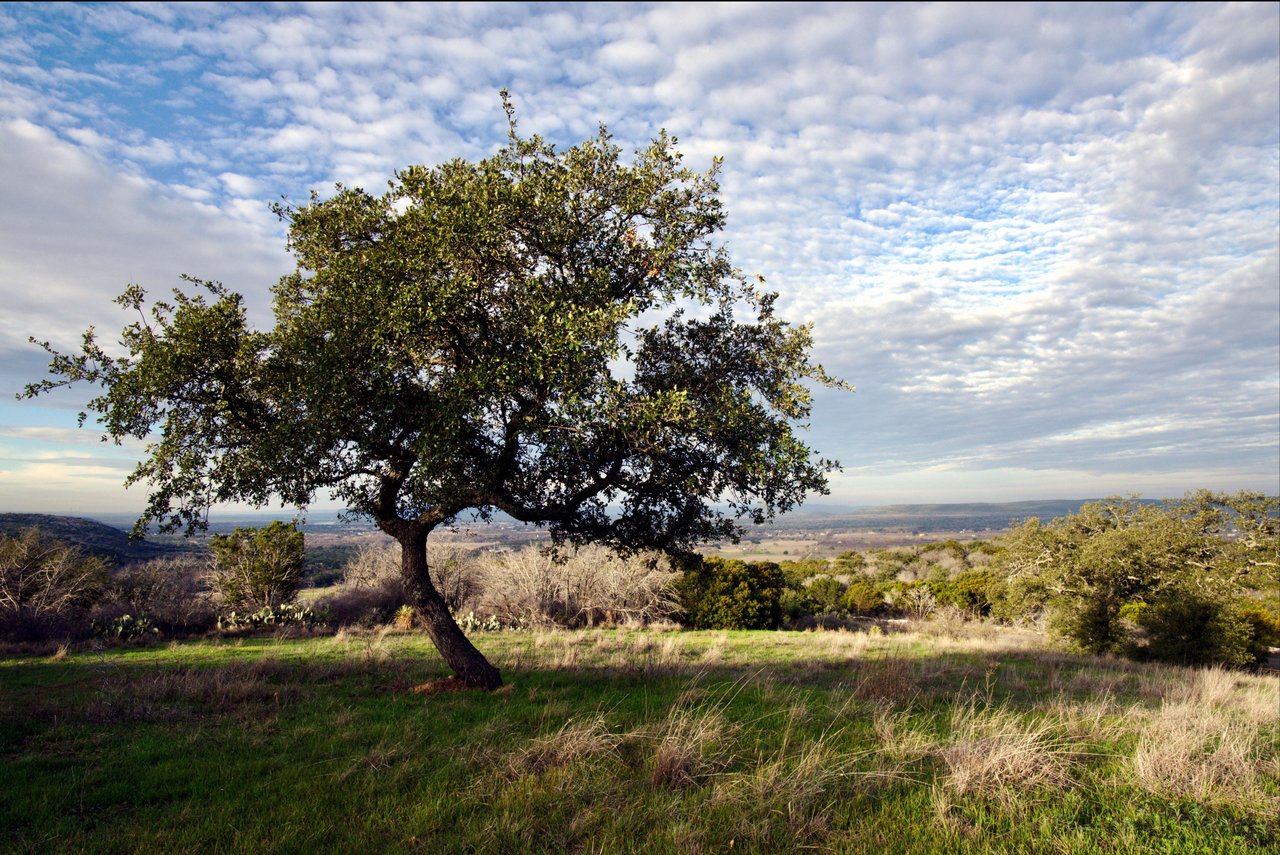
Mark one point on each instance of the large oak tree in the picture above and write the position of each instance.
(553, 334)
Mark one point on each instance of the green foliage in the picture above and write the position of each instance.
(1175, 570)
(553, 333)
(257, 568)
(720, 593)
(850, 561)
(284, 614)
(1190, 627)
(823, 595)
(482, 335)
(472, 622)
(970, 590)
(864, 597)
(799, 572)
(125, 628)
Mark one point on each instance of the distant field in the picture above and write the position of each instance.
(947, 738)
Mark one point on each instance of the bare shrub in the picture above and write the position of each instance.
(44, 584)
(588, 587)
(918, 602)
(372, 592)
(170, 591)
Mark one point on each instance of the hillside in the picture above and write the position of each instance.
(91, 536)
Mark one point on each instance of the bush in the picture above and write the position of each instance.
(823, 596)
(586, 587)
(45, 586)
(256, 568)
(1163, 581)
(719, 593)
(169, 591)
(125, 628)
(863, 598)
(1190, 627)
(972, 591)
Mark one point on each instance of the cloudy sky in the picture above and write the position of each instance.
(1041, 240)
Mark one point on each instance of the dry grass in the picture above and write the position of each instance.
(690, 746)
(577, 739)
(994, 752)
(890, 678)
(1205, 753)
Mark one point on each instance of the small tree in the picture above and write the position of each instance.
(258, 567)
(555, 335)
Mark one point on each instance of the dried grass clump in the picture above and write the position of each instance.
(690, 746)
(1204, 753)
(577, 739)
(995, 753)
(890, 679)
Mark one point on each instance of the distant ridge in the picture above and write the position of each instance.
(977, 516)
(91, 536)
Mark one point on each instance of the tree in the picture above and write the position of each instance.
(555, 335)
(258, 567)
(1177, 570)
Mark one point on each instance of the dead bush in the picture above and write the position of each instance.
(45, 585)
(587, 587)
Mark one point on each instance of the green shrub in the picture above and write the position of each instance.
(970, 590)
(823, 596)
(257, 568)
(1193, 627)
(125, 628)
(719, 593)
(863, 597)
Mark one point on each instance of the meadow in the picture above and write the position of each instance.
(921, 737)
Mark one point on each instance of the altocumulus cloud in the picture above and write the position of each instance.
(1041, 240)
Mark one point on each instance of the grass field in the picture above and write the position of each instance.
(636, 741)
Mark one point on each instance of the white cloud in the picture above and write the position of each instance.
(1023, 231)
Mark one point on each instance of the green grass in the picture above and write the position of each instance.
(629, 741)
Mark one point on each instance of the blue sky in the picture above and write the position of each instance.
(1042, 240)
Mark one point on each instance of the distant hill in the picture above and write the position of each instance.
(976, 516)
(91, 536)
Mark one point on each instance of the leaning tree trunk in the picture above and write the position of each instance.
(458, 651)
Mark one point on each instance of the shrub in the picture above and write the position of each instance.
(585, 587)
(863, 598)
(969, 590)
(169, 591)
(125, 628)
(720, 593)
(916, 601)
(1191, 627)
(45, 585)
(257, 568)
(823, 596)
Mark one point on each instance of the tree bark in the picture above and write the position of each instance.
(467, 662)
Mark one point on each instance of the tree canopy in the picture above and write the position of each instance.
(557, 335)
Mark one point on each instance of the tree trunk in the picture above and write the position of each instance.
(458, 651)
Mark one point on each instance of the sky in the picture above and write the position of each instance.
(1042, 240)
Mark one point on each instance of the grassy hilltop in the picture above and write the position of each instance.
(956, 738)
